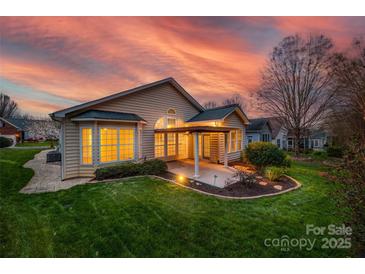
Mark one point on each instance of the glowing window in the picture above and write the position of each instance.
(233, 139)
(239, 139)
(159, 144)
(171, 144)
(171, 122)
(108, 145)
(86, 146)
(126, 144)
(183, 141)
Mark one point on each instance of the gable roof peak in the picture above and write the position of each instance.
(170, 80)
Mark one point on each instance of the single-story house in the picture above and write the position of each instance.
(315, 139)
(158, 120)
(259, 130)
(278, 133)
(14, 128)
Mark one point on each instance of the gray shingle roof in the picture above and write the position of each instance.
(213, 113)
(20, 123)
(257, 124)
(107, 115)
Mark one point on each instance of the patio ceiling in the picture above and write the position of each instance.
(195, 129)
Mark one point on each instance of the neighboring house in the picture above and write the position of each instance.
(158, 120)
(278, 133)
(258, 130)
(315, 139)
(14, 128)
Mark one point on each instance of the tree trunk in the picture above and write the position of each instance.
(297, 141)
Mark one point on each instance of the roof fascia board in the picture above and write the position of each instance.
(107, 120)
(62, 113)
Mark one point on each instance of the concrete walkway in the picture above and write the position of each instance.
(30, 147)
(212, 174)
(47, 176)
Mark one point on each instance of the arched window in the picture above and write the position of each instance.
(171, 111)
(171, 118)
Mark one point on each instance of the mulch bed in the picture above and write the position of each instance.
(235, 189)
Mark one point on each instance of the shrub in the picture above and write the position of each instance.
(264, 154)
(128, 169)
(273, 173)
(334, 151)
(5, 142)
(287, 161)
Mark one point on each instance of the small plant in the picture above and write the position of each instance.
(245, 179)
(274, 173)
(264, 154)
(5, 142)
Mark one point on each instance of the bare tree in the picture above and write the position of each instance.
(348, 117)
(296, 83)
(7, 106)
(210, 104)
(234, 99)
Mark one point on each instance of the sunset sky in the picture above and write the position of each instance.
(49, 63)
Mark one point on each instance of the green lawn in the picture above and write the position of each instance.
(35, 144)
(152, 218)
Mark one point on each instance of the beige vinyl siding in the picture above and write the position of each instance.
(150, 104)
(234, 121)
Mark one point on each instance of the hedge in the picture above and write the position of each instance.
(128, 169)
(5, 142)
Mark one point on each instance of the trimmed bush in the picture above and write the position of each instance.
(5, 142)
(128, 169)
(334, 151)
(263, 154)
(273, 173)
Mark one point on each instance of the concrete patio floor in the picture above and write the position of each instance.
(47, 176)
(212, 174)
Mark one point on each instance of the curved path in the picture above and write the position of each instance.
(47, 176)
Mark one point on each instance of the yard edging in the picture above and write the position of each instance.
(298, 185)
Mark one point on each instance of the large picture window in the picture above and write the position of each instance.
(86, 146)
(171, 144)
(159, 144)
(108, 145)
(126, 144)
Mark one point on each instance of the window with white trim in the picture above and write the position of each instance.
(266, 137)
(233, 143)
(171, 144)
(108, 145)
(159, 145)
(235, 140)
(239, 139)
(126, 144)
(249, 139)
(86, 146)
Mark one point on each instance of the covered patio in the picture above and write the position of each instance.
(210, 173)
(193, 164)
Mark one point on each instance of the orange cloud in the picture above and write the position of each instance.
(83, 58)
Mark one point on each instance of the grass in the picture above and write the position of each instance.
(151, 218)
(34, 144)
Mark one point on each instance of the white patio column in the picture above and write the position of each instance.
(196, 154)
(226, 149)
